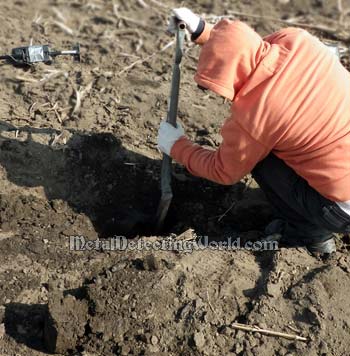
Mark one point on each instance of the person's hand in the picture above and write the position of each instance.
(191, 20)
(168, 135)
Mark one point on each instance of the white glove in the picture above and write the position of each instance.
(168, 135)
(186, 15)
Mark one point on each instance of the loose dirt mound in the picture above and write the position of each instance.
(92, 170)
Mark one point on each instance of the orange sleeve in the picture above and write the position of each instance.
(237, 155)
(204, 37)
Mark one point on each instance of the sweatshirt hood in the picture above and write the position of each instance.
(229, 58)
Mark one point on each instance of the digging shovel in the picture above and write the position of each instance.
(166, 169)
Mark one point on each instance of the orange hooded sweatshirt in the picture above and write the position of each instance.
(290, 96)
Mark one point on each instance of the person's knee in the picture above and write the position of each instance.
(264, 168)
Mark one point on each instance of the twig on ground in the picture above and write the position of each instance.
(64, 28)
(138, 45)
(142, 4)
(293, 329)
(199, 107)
(107, 108)
(235, 201)
(51, 73)
(341, 11)
(126, 31)
(93, 6)
(145, 59)
(77, 102)
(187, 235)
(139, 23)
(211, 307)
(134, 21)
(159, 8)
(160, 4)
(122, 54)
(228, 210)
(256, 329)
(59, 14)
(79, 95)
(26, 79)
(55, 108)
(117, 99)
(37, 18)
(31, 108)
(61, 23)
(34, 105)
(6, 235)
(57, 138)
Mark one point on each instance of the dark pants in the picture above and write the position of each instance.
(309, 216)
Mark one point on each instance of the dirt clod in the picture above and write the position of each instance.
(199, 340)
(65, 323)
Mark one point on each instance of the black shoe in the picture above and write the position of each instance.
(323, 247)
(274, 231)
(276, 226)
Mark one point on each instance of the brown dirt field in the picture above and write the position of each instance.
(66, 173)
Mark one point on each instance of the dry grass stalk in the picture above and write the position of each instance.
(6, 235)
(293, 329)
(79, 95)
(342, 12)
(138, 45)
(134, 21)
(126, 32)
(37, 18)
(107, 109)
(117, 100)
(122, 54)
(26, 79)
(50, 74)
(56, 139)
(256, 329)
(59, 14)
(77, 102)
(55, 109)
(64, 28)
(235, 201)
(31, 108)
(211, 307)
(93, 6)
(160, 4)
(142, 4)
(145, 59)
(188, 235)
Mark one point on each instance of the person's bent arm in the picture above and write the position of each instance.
(237, 155)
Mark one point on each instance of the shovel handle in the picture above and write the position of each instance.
(173, 105)
(166, 170)
(175, 82)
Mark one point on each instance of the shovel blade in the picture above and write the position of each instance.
(162, 211)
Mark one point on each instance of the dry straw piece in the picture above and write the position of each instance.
(256, 329)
